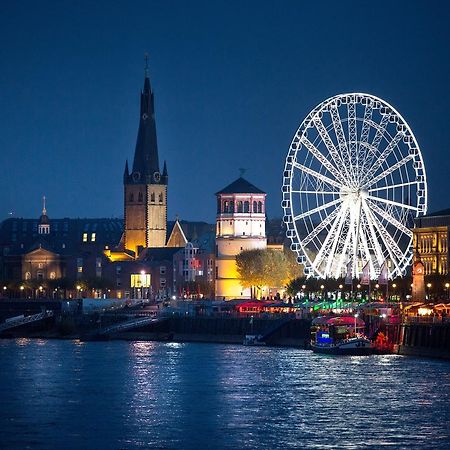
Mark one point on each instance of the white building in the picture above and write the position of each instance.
(240, 225)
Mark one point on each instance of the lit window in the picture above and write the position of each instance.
(52, 275)
(93, 237)
(85, 237)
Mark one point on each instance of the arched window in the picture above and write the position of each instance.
(160, 198)
(27, 276)
(246, 206)
(52, 275)
(152, 197)
(260, 207)
(140, 197)
(239, 206)
(255, 207)
(131, 197)
(232, 206)
(226, 206)
(218, 206)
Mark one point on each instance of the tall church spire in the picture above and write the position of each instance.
(146, 161)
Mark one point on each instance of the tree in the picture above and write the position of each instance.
(266, 267)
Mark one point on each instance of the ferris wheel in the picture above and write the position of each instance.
(354, 180)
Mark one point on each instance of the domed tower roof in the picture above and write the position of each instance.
(240, 186)
(44, 221)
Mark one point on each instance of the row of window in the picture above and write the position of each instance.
(230, 206)
(140, 198)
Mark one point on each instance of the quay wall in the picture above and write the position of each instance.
(425, 339)
(291, 332)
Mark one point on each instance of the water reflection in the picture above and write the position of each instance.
(165, 395)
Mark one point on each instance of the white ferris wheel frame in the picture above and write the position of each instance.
(362, 220)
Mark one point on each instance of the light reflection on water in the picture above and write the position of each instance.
(164, 395)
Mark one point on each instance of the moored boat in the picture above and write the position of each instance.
(341, 335)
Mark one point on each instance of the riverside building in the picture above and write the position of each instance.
(240, 225)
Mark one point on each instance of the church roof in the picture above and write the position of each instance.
(240, 186)
(146, 161)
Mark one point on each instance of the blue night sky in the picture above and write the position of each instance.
(232, 82)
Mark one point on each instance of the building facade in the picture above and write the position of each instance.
(240, 225)
(431, 242)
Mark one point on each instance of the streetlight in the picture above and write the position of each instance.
(428, 286)
(447, 286)
(356, 316)
(79, 290)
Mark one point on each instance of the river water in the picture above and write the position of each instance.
(127, 395)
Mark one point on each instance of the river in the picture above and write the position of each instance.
(57, 394)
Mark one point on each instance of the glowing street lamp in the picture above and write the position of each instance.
(447, 286)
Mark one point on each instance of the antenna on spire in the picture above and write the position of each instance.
(242, 171)
(146, 64)
(44, 211)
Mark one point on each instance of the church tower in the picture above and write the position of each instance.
(145, 188)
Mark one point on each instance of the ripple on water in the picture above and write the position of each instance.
(63, 394)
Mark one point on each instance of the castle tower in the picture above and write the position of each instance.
(240, 225)
(145, 189)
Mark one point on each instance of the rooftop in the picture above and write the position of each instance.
(240, 186)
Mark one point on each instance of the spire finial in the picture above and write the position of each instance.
(242, 171)
(146, 64)
(44, 211)
(176, 217)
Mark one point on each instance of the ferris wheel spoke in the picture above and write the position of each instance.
(385, 154)
(316, 192)
(337, 158)
(391, 246)
(335, 241)
(352, 137)
(363, 141)
(343, 251)
(320, 157)
(329, 238)
(391, 202)
(372, 235)
(318, 209)
(392, 220)
(381, 129)
(317, 230)
(366, 249)
(342, 143)
(393, 186)
(317, 175)
(388, 171)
